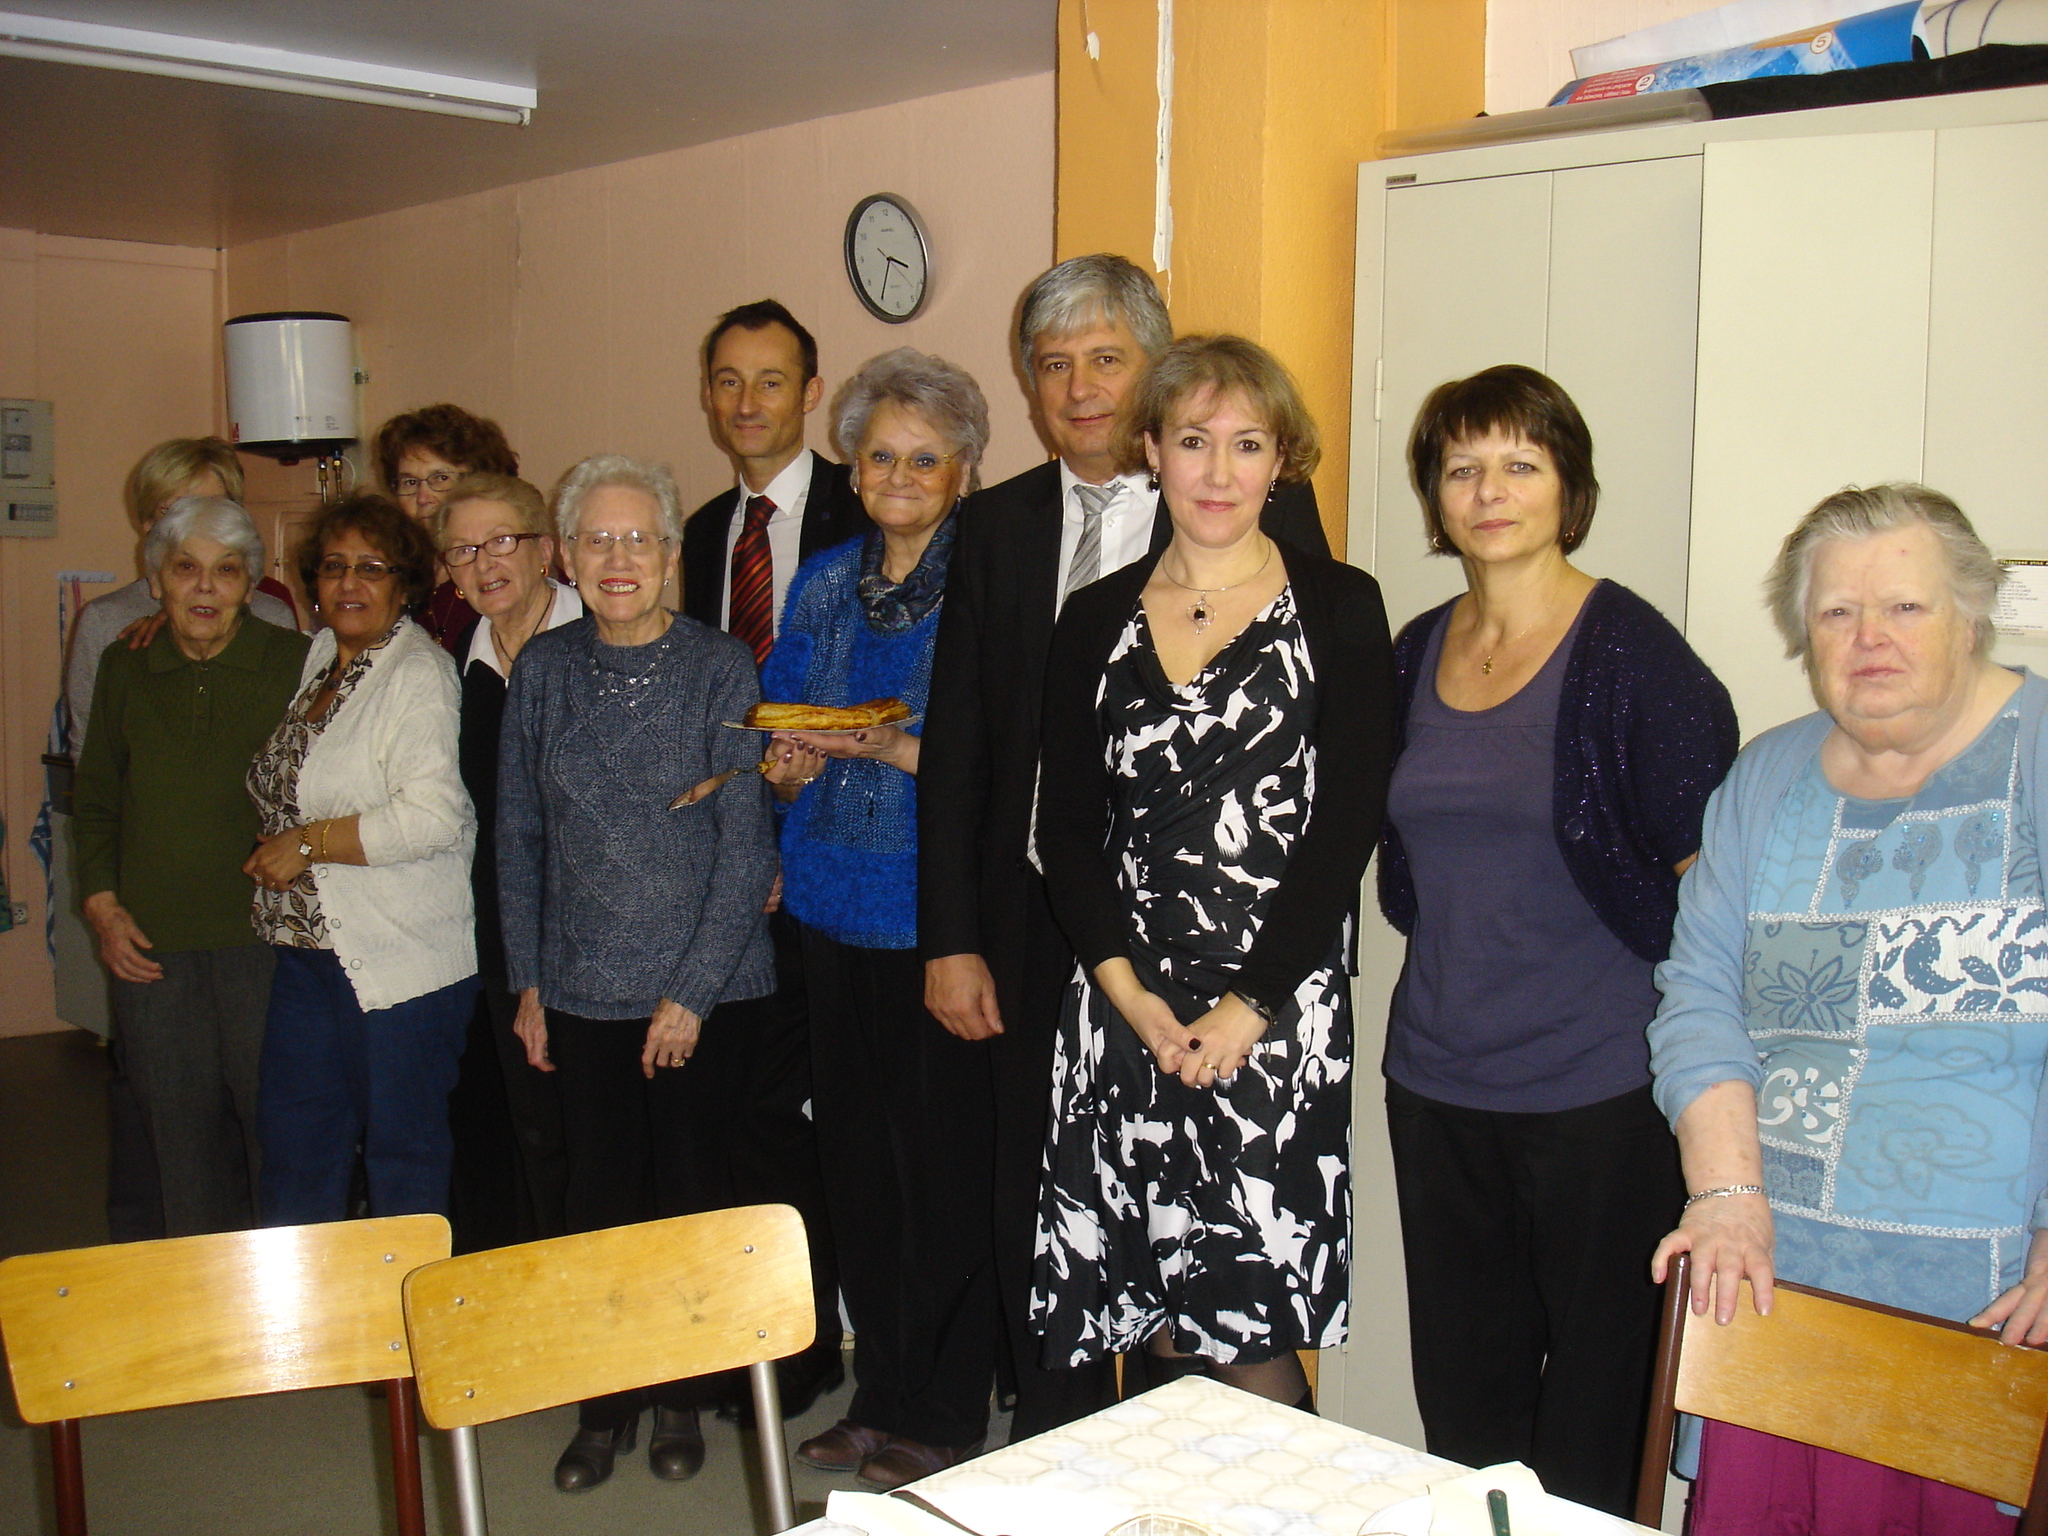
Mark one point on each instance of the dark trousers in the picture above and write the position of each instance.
(904, 1132)
(640, 1149)
(1532, 1320)
(192, 1046)
(1020, 1066)
(335, 1074)
(510, 1167)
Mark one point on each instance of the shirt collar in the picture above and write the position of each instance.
(566, 605)
(244, 652)
(1125, 486)
(787, 490)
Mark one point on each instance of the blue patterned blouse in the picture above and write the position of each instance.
(1895, 983)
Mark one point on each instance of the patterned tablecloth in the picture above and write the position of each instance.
(1238, 1463)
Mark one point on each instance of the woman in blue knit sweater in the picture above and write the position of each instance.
(901, 1105)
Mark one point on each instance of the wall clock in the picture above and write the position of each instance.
(888, 259)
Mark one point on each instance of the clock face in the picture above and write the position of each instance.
(886, 258)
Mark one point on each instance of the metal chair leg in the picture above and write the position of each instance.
(67, 1472)
(402, 1408)
(774, 1446)
(469, 1482)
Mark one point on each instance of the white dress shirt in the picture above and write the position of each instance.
(1126, 522)
(567, 605)
(789, 490)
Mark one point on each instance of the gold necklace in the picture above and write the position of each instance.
(1199, 611)
(1486, 666)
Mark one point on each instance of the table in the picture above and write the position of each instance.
(1242, 1464)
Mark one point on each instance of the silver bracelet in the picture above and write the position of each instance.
(1729, 1189)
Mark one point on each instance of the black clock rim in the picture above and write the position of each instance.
(852, 273)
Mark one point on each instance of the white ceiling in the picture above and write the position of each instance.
(122, 156)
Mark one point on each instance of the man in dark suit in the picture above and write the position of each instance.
(739, 551)
(996, 964)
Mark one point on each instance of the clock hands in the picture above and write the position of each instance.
(887, 263)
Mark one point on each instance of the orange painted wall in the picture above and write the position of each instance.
(571, 308)
(122, 338)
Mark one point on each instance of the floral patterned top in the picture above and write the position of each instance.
(292, 916)
(1896, 987)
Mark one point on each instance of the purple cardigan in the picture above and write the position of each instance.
(1644, 734)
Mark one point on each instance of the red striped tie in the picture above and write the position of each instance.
(752, 609)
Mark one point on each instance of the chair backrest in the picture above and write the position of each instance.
(1918, 1393)
(516, 1329)
(191, 1319)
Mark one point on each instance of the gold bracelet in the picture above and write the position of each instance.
(323, 839)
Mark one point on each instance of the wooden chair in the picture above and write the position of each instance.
(518, 1329)
(1918, 1393)
(91, 1331)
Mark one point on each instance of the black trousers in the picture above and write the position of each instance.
(507, 1118)
(1532, 1320)
(904, 1134)
(639, 1149)
(1020, 1068)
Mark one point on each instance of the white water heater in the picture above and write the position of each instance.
(291, 384)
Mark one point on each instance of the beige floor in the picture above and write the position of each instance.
(310, 1464)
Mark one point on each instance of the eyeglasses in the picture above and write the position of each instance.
(501, 544)
(437, 480)
(919, 466)
(634, 542)
(334, 568)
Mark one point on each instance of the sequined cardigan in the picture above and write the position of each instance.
(1644, 735)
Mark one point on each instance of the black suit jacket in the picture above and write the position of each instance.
(978, 761)
(832, 515)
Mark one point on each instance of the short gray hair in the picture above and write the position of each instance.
(209, 517)
(945, 396)
(603, 469)
(1089, 290)
(1861, 512)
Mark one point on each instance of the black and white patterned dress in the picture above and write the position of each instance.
(1224, 1214)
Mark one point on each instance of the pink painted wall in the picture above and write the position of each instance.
(122, 337)
(571, 308)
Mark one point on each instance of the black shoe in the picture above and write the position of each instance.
(588, 1460)
(800, 1381)
(675, 1451)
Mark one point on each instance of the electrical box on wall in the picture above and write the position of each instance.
(28, 457)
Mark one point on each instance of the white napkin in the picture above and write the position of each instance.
(1009, 1509)
(1458, 1504)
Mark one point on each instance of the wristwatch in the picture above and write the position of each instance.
(306, 842)
(1269, 1014)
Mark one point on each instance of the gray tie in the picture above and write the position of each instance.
(1087, 562)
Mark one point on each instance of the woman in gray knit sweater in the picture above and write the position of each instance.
(626, 924)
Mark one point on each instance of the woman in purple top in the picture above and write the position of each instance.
(1557, 743)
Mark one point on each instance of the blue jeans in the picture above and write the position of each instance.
(334, 1075)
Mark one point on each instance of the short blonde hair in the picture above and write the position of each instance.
(170, 466)
(528, 506)
(1226, 364)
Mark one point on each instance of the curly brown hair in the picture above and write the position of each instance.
(473, 444)
(385, 527)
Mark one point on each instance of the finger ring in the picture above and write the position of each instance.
(1194, 1042)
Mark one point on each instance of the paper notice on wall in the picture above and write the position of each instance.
(2022, 606)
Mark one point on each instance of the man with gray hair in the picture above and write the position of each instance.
(996, 963)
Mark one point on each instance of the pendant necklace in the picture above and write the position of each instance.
(1486, 666)
(1201, 612)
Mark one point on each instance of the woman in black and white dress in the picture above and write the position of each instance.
(1197, 1199)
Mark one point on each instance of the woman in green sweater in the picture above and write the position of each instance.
(163, 822)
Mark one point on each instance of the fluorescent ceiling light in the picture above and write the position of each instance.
(270, 69)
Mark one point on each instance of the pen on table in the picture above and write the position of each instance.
(1497, 1510)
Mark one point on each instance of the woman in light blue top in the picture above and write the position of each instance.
(1851, 1043)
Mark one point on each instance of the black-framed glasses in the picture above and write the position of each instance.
(501, 545)
(334, 568)
(433, 480)
(633, 541)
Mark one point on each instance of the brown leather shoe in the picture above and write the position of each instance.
(842, 1448)
(905, 1461)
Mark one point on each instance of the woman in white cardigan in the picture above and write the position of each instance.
(363, 886)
